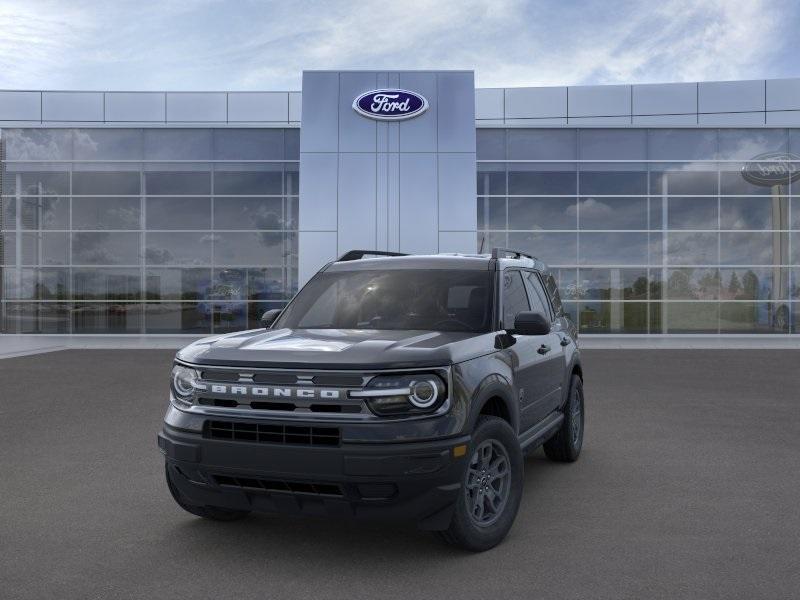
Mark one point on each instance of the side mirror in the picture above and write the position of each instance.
(531, 323)
(268, 318)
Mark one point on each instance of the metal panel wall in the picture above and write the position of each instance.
(385, 185)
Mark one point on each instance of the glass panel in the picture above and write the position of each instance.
(177, 144)
(668, 180)
(693, 284)
(36, 284)
(692, 248)
(613, 248)
(656, 283)
(266, 284)
(229, 316)
(292, 213)
(187, 183)
(542, 213)
(44, 212)
(106, 284)
(567, 282)
(252, 183)
(752, 248)
(42, 183)
(291, 143)
(542, 144)
(754, 213)
(35, 317)
(490, 144)
(229, 284)
(732, 182)
(8, 249)
(178, 248)
(552, 248)
(613, 284)
(613, 317)
(612, 213)
(8, 213)
(106, 213)
(611, 183)
(682, 144)
(117, 183)
(45, 248)
(692, 213)
(104, 248)
(38, 144)
(690, 317)
(249, 248)
(99, 317)
(248, 144)
(754, 317)
(613, 144)
(248, 213)
(177, 284)
(755, 283)
(794, 287)
(746, 144)
(795, 245)
(177, 318)
(178, 213)
(488, 240)
(533, 180)
(291, 178)
(492, 213)
(108, 144)
(491, 179)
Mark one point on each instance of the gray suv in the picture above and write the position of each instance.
(396, 386)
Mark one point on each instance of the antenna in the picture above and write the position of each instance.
(483, 240)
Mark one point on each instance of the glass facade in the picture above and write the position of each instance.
(651, 230)
(146, 230)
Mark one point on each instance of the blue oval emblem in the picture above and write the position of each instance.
(390, 105)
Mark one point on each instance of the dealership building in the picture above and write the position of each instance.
(663, 209)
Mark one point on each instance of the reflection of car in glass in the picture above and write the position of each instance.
(396, 386)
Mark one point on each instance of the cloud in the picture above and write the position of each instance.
(212, 44)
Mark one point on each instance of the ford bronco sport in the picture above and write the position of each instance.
(390, 386)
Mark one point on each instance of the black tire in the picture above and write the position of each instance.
(479, 533)
(214, 513)
(565, 445)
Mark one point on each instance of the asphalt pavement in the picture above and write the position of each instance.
(687, 488)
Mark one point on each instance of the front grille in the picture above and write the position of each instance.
(278, 485)
(329, 407)
(264, 433)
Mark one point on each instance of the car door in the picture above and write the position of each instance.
(551, 351)
(527, 363)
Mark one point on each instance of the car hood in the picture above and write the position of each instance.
(337, 348)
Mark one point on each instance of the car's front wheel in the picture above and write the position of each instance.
(491, 490)
(215, 513)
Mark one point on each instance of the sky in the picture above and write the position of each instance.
(265, 45)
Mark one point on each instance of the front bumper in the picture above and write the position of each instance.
(410, 481)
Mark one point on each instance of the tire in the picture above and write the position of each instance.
(476, 525)
(214, 513)
(565, 445)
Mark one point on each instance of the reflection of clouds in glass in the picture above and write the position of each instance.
(83, 143)
(692, 248)
(591, 208)
(36, 144)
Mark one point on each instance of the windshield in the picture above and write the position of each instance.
(437, 300)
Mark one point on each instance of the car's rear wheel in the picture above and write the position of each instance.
(566, 444)
(491, 490)
(215, 513)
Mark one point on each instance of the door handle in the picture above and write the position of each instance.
(543, 349)
(565, 341)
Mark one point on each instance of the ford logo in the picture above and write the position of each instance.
(772, 168)
(390, 105)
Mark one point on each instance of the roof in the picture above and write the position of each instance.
(435, 261)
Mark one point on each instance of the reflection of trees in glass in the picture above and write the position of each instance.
(749, 286)
(638, 291)
(734, 287)
(684, 285)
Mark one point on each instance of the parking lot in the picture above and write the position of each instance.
(687, 488)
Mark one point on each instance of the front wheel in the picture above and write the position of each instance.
(565, 445)
(491, 490)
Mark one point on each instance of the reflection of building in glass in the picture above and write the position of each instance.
(663, 209)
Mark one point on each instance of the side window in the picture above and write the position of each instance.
(536, 294)
(555, 298)
(515, 300)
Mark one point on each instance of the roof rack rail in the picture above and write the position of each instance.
(505, 252)
(359, 254)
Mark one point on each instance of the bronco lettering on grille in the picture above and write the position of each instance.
(273, 392)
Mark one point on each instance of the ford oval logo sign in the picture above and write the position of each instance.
(390, 105)
(772, 168)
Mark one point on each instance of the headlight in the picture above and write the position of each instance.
(410, 394)
(183, 380)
